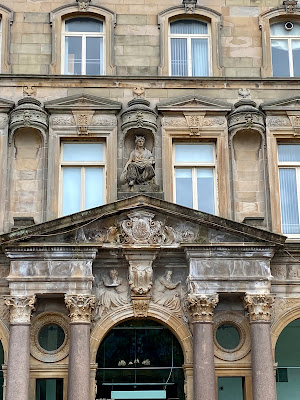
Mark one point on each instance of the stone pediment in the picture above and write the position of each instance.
(141, 221)
(82, 102)
(194, 103)
(6, 105)
(287, 104)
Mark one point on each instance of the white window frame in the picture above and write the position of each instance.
(290, 49)
(195, 166)
(189, 38)
(83, 165)
(84, 36)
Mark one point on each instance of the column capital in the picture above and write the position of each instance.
(20, 308)
(80, 307)
(201, 306)
(259, 306)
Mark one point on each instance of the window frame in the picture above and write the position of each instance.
(83, 36)
(82, 165)
(189, 38)
(195, 166)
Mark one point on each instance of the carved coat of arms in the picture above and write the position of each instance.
(141, 229)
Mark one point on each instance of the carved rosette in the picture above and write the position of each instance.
(29, 113)
(201, 306)
(139, 116)
(20, 308)
(80, 307)
(259, 307)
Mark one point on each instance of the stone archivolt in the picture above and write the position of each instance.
(201, 306)
(259, 306)
(80, 307)
(20, 308)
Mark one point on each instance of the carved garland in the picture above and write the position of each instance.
(37, 324)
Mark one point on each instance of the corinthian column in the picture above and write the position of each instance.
(263, 376)
(80, 307)
(201, 311)
(17, 382)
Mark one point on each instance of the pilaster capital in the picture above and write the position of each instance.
(80, 307)
(201, 306)
(20, 308)
(259, 306)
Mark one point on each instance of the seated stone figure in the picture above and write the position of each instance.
(139, 168)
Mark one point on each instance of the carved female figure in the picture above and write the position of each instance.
(168, 293)
(140, 166)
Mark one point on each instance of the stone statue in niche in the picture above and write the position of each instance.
(139, 168)
(167, 293)
(112, 291)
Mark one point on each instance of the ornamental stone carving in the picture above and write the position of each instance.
(246, 116)
(195, 122)
(83, 120)
(201, 306)
(20, 308)
(80, 307)
(28, 113)
(189, 6)
(62, 120)
(83, 5)
(290, 6)
(141, 229)
(140, 306)
(259, 307)
(139, 115)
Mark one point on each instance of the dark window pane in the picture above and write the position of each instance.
(49, 389)
(228, 336)
(51, 337)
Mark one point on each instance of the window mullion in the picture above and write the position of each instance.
(82, 189)
(83, 56)
(291, 57)
(195, 188)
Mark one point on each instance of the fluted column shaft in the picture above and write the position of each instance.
(17, 381)
(204, 379)
(80, 308)
(263, 377)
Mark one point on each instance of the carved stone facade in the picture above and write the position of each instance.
(20, 308)
(201, 307)
(80, 307)
(259, 307)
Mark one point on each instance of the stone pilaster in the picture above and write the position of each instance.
(17, 384)
(201, 311)
(80, 307)
(263, 376)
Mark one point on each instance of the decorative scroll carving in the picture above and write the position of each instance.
(290, 6)
(279, 272)
(140, 279)
(80, 307)
(139, 169)
(168, 293)
(278, 121)
(194, 122)
(259, 306)
(83, 5)
(62, 120)
(101, 120)
(141, 228)
(111, 292)
(20, 308)
(189, 6)
(83, 121)
(295, 122)
(140, 306)
(201, 306)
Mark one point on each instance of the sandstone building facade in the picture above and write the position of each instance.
(149, 203)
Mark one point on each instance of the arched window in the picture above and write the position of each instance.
(83, 42)
(189, 48)
(140, 358)
(285, 44)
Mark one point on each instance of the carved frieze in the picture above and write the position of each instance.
(259, 306)
(278, 121)
(194, 122)
(62, 120)
(20, 308)
(201, 306)
(80, 307)
(104, 120)
(295, 122)
(3, 121)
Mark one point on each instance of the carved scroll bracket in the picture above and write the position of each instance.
(259, 307)
(20, 308)
(294, 117)
(80, 307)
(201, 306)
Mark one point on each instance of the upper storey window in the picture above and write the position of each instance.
(189, 48)
(83, 46)
(285, 44)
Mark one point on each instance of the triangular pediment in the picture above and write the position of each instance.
(6, 105)
(141, 220)
(194, 103)
(287, 104)
(82, 102)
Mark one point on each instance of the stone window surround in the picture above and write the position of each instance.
(266, 19)
(57, 17)
(213, 18)
(6, 18)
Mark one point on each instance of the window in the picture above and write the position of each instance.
(83, 46)
(285, 44)
(194, 175)
(83, 176)
(289, 179)
(49, 389)
(189, 48)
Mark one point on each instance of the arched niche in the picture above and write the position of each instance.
(282, 322)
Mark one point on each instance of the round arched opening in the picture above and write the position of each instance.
(287, 355)
(140, 359)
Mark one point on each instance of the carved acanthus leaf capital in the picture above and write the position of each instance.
(201, 306)
(80, 307)
(20, 308)
(259, 306)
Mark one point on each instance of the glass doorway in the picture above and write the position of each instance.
(49, 389)
(140, 359)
